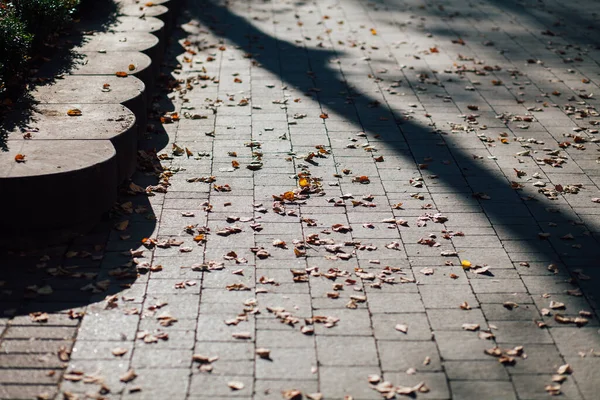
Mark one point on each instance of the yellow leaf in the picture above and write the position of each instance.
(466, 264)
(373, 31)
(303, 182)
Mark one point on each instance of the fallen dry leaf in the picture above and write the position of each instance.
(128, 376)
(235, 385)
(74, 112)
(38, 316)
(64, 354)
(470, 327)
(119, 351)
(263, 353)
(292, 394)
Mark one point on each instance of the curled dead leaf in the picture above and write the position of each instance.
(263, 353)
(74, 112)
(119, 351)
(292, 394)
(128, 376)
(235, 385)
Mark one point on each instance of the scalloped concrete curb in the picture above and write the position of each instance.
(74, 164)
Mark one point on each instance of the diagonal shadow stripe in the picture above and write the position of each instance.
(463, 177)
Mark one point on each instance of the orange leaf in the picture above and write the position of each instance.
(289, 196)
(434, 50)
(324, 116)
(235, 164)
(361, 179)
(20, 158)
(74, 112)
(188, 152)
(121, 74)
(199, 238)
(373, 31)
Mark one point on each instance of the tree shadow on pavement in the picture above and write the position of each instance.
(92, 266)
(466, 173)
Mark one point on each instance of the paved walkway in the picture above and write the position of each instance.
(356, 199)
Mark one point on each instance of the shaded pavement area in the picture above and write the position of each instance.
(355, 200)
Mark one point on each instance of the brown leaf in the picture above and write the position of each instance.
(38, 316)
(553, 389)
(242, 335)
(235, 385)
(263, 353)
(64, 354)
(128, 376)
(565, 369)
(121, 74)
(74, 112)
(119, 351)
(470, 327)
(292, 394)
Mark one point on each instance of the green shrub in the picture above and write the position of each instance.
(15, 43)
(45, 17)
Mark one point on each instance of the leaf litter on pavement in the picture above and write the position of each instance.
(340, 240)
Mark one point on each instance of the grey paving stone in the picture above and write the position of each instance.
(355, 383)
(490, 370)
(437, 383)
(451, 345)
(384, 326)
(520, 332)
(452, 319)
(395, 303)
(160, 383)
(347, 351)
(207, 385)
(272, 389)
(287, 364)
(532, 387)
(472, 389)
(446, 296)
(400, 356)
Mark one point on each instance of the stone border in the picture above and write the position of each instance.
(74, 164)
